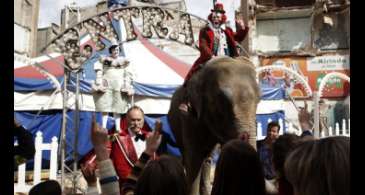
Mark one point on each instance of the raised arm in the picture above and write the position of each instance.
(241, 30)
(108, 177)
(204, 49)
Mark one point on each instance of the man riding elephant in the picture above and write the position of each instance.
(216, 39)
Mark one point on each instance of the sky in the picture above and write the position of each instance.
(50, 10)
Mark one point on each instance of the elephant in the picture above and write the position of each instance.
(224, 97)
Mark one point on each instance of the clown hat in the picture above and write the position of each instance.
(113, 45)
(218, 7)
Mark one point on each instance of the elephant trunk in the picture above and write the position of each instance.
(246, 123)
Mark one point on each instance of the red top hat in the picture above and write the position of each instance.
(218, 7)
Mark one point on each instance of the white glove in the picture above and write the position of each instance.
(99, 77)
(130, 91)
(98, 85)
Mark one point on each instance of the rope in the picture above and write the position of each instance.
(122, 149)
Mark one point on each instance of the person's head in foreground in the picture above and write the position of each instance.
(164, 176)
(238, 170)
(49, 187)
(320, 167)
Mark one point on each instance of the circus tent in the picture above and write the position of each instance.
(38, 87)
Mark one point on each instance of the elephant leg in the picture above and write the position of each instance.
(195, 187)
(198, 166)
(205, 176)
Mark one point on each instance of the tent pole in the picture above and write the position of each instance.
(63, 130)
(76, 129)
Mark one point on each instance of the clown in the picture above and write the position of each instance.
(113, 85)
(216, 39)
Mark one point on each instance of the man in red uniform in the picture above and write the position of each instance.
(216, 39)
(129, 145)
(126, 147)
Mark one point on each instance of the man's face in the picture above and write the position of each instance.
(115, 52)
(217, 18)
(135, 120)
(273, 133)
(87, 52)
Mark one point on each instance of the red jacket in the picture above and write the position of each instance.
(120, 162)
(206, 41)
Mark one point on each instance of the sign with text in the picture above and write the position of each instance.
(331, 63)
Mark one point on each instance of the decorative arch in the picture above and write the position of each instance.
(327, 78)
(147, 21)
(298, 78)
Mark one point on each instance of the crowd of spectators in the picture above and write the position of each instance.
(284, 165)
(300, 165)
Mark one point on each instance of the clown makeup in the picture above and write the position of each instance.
(217, 19)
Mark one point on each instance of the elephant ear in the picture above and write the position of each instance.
(194, 93)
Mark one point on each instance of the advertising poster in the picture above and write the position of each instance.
(313, 69)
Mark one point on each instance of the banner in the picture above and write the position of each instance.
(313, 69)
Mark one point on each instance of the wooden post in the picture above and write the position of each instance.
(38, 158)
(330, 131)
(53, 161)
(337, 129)
(344, 132)
(349, 128)
(259, 131)
(21, 176)
(245, 14)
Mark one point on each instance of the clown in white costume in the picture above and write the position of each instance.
(113, 85)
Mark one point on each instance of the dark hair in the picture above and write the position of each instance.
(88, 47)
(280, 150)
(112, 47)
(135, 108)
(320, 167)
(164, 176)
(238, 170)
(49, 187)
(306, 133)
(273, 124)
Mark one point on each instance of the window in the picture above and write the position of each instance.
(21, 42)
(282, 35)
(332, 31)
(26, 18)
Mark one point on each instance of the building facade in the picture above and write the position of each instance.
(25, 27)
(312, 37)
(46, 35)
